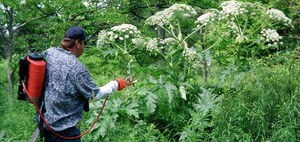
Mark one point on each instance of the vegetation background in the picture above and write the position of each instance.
(234, 94)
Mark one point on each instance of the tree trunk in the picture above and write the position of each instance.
(8, 50)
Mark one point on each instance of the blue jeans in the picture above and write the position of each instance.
(70, 132)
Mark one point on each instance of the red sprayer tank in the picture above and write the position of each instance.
(36, 76)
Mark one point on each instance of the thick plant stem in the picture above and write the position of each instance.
(204, 63)
(161, 34)
(204, 70)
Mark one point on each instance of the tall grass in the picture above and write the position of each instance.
(264, 106)
(18, 122)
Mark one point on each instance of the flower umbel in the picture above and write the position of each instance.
(278, 15)
(152, 44)
(271, 37)
(190, 53)
(124, 31)
(169, 41)
(126, 28)
(164, 17)
(233, 27)
(206, 18)
(233, 8)
(102, 38)
(138, 41)
(118, 33)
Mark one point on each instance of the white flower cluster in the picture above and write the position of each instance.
(190, 53)
(124, 31)
(156, 44)
(187, 10)
(164, 17)
(126, 28)
(271, 37)
(206, 18)
(138, 41)
(233, 27)
(233, 8)
(118, 33)
(169, 41)
(278, 15)
(152, 44)
(102, 38)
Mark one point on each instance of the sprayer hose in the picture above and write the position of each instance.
(48, 126)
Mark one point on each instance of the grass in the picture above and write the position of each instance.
(263, 107)
(18, 121)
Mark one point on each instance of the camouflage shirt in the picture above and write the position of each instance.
(67, 83)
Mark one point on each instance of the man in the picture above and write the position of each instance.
(69, 86)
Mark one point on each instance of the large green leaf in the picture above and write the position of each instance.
(170, 88)
(132, 109)
(207, 101)
(151, 102)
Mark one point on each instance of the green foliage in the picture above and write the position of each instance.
(116, 108)
(262, 107)
(256, 107)
(242, 35)
(128, 132)
(3, 77)
(150, 99)
(251, 92)
(17, 122)
(200, 121)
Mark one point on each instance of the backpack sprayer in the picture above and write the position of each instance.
(32, 70)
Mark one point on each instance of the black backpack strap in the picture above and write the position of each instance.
(40, 120)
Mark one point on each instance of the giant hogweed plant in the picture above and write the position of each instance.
(243, 30)
(180, 62)
(174, 49)
(120, 41)
(236, 31)
(117, 42)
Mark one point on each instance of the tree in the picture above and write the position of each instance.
(9, 27)
(37, 25)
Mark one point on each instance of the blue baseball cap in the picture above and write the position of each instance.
(75, 33)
